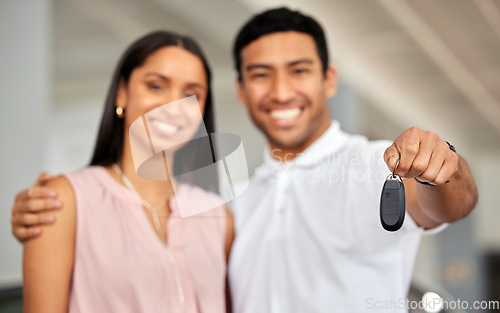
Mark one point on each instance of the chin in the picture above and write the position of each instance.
(285, 142)
(288, 137)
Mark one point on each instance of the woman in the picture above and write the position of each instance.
(119, 244)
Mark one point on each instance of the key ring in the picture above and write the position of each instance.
(396, 168)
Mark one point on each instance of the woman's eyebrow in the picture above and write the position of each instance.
(166, 78)
(158, 75)
(196, 85)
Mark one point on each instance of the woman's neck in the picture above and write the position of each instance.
(152, 191)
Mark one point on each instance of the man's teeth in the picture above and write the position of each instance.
(285, 114)
(165, 126)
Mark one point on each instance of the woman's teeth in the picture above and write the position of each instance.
(166, 127)
(285, 114)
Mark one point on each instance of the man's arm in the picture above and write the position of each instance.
(429, 159)
(48, 259)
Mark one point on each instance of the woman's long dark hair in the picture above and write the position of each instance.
(109, 144)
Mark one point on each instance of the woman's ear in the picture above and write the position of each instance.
(330, 81)
(121, 96)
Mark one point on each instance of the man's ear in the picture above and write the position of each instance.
(241, 91)
(121, 95)
(330, 81)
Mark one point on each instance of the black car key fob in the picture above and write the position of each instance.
(393, 202)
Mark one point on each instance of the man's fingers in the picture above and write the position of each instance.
(27, 207)
(43, 178)
(391, 156)
(422, 160)
(23, 233)
(28, 219)
(449, 168)
(36, 205)
(21, 196)
(434, 167)
(41, 192)
(408, 153)
(407, 145)
(35, 192)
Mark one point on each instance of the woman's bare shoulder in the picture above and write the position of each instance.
(61, 184)
(66, 215)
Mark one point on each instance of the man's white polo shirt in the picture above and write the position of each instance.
(309, 238)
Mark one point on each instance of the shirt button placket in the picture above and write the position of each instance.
(285, 190)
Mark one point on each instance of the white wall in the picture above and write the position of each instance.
(24, 94)
(487, 172)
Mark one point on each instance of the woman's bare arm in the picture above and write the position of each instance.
(48, 259)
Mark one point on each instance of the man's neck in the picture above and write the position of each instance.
(286, 154)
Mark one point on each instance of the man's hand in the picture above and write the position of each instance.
(423, 156)
(426, 157)
(30, 210)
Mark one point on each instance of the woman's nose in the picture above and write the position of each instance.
(173, 107)
(173, 103)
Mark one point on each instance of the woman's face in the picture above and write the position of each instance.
(169, 74)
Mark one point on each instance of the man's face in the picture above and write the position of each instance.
(285, 89)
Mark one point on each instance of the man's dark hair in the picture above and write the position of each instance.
(279, 20)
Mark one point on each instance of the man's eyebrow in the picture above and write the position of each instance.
(266, 66)
(301, 61)
(257, 66)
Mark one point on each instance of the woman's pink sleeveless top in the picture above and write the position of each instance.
(121, 265)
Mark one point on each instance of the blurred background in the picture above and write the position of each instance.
(401, 63)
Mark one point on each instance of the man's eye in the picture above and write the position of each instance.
(300, 71)
(259, 75)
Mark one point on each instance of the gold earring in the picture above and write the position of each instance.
(119, 112)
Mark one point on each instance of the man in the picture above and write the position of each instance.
(308, 235)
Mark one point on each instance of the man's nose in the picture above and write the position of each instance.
(282, 89)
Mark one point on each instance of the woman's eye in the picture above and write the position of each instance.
(155, 86)
(192, 93)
